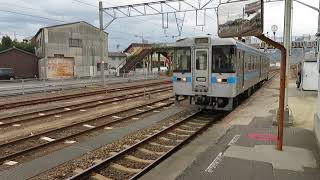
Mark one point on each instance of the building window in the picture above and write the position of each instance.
(75, 42)
(58, 55)
(99, 66)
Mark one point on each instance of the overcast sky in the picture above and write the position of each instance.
(14, 19)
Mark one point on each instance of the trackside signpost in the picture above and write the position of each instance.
(240, 18)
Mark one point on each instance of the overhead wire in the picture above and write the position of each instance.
(136, 19)
(190, 34)
(31, 15)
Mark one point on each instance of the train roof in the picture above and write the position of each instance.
(187, 42)
(214, 41)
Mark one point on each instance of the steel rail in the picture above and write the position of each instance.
(76, 107)
(86, 173)
(70, 96)
(19, 153)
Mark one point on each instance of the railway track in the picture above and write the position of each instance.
(136, 160)
(76, 95)
(9, 151)
(273, 73)
(58, 111)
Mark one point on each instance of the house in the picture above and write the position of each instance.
(70, 50)
(24, 64)
(116, 60)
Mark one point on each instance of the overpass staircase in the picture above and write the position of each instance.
(134, 60)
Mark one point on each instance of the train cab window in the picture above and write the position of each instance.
(223, 59)
(201, 59)
(182, 60)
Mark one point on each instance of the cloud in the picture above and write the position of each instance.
(124, 31)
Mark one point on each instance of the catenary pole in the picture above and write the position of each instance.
(101, 43)
(287, 45)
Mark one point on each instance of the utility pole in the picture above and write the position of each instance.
(319, 19)
(101, 43)
(287, 45)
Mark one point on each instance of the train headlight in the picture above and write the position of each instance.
(184, 79)
(219, 80)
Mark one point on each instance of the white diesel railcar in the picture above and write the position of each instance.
(215, 73)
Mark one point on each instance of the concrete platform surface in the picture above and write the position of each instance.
(242, 145)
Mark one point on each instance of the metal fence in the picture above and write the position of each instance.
(28, 86)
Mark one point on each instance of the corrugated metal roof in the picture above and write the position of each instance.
(66, 24)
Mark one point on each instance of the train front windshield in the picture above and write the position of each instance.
(182, 60)
(223, 59)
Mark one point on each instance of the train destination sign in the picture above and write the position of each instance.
(240, 18)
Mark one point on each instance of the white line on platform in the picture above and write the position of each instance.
(156, 111)
(16, 125)
(41, 114)
(139, 110)
(83, 110)
(1, 123)
(67, 109)
(57, 116)
(215, 163)
(234, 140)
(134, 118)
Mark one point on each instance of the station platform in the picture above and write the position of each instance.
(243, 145)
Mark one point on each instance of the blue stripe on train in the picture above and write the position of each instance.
(230, 80)
(213, 80)
(174, 78)
(189, 79)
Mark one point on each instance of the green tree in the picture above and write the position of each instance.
(6, 43)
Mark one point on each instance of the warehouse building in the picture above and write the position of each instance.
(24, 64)
(70, 50)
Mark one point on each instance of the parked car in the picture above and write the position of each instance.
(6, 74)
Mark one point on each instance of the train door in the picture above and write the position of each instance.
(260, 68)
(201, 71)
(244, 68)
(239, 70)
